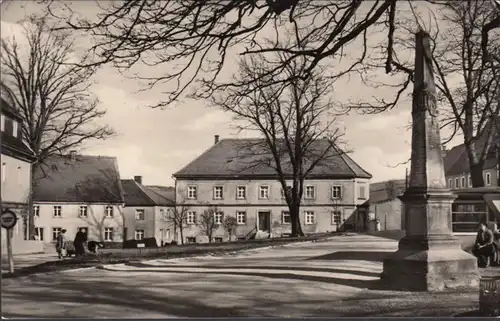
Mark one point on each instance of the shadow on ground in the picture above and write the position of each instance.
(375, 256)
(361, 284)
(106, 293)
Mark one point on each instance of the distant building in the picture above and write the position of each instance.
(147, 211)
(78, 191)
(235, 176)
(385, 204)
(456, 164)
(16, 178)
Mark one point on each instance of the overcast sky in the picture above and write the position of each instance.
(156, 143)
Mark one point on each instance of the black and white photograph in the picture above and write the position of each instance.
(250, 159)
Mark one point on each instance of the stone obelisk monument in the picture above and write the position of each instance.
(429, 258)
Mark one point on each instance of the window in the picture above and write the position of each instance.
(3, 122)
(241, 192)
(241, 217)
(218, 192)
(190, 240)
(309, 192)
(192, 195)
(57, 211)
(109, 211)
(264, 192)
(191, 217)
(4, 171)
(55, 232)
(362, 192)
(139, 234)
(488, 179)
(466, 216)
(456, 182)
(39, 233)
(14, 128)
(36, 210)
(336, 192)
(218, 239)
(462, 182)
(336, 217)
(9, 126)
(139, 214)
(285, 217)
(450, 183)
(83, 211)
(108, 234)
(218, 216)
(470, 181)
(309, 217)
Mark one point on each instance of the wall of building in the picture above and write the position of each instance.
(96, 220)
(132, 224)
(492, 172)
(16, 180)
(390, 214)
(322, 204)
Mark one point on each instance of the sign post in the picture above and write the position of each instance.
(9, 220)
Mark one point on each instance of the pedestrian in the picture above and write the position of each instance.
(483, 246)
(79, 242)
(61, 244)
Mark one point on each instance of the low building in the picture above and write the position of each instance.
(244, 186)
(147, 212)
(79, 191)
(386, 205)
(16, 180)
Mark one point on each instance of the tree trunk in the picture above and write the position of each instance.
(295, 221)
(30, 213)
(182, 234)
(476, 174)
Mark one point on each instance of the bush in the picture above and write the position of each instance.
(149, 242)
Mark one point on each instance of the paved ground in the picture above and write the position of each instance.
(25, 260)
(336, 277)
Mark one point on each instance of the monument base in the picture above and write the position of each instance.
(430, 264)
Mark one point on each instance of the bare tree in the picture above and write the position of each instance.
(468, 86)
(52, 98)
(193, 40)
(178, 217)
(207, 223)
(292, 117)
(230, 224)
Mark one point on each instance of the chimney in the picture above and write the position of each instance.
(72, 155)
(138, 179)
(216, 139)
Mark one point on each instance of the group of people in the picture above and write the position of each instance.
(79, 243)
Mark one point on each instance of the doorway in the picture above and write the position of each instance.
(264, 220)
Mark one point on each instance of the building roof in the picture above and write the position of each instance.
(456, 161)
(139, 195)
(381, 191)
(78, 179)
(14, 146)
(167, 192)
(250, 158)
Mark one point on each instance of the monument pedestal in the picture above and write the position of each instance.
(430, 262)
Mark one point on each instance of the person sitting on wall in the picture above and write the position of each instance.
(483, 246)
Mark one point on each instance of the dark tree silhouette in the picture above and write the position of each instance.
(58, 112)
(294, 118)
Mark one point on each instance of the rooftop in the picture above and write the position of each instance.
(251, 158)
(78, 179)
(137, 194)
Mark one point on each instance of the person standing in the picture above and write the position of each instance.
(61, 244)
(79, 242)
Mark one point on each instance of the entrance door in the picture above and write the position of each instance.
(265, 221)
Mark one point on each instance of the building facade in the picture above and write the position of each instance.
(75, 192)
(234, 183)
(147, 212)
(386, 206)
(16, 178)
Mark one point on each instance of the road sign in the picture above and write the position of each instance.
(9, 219)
